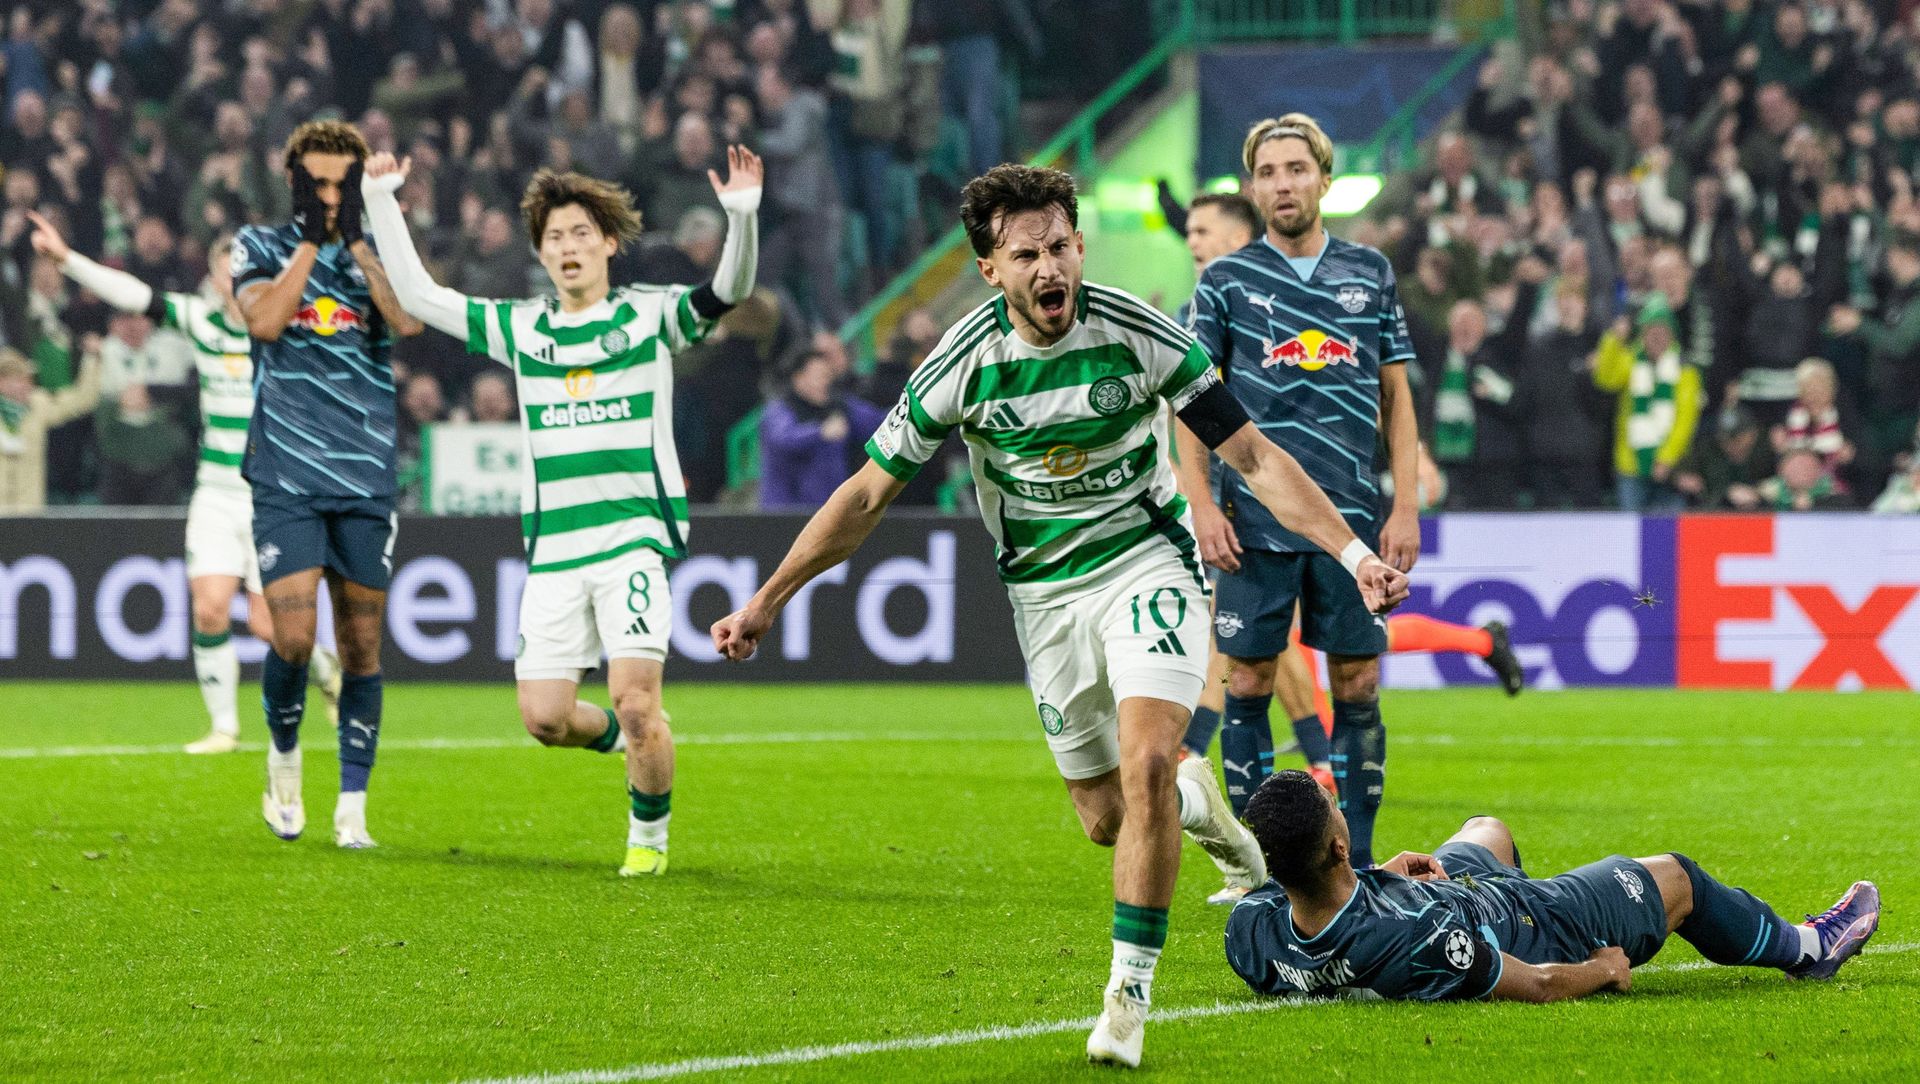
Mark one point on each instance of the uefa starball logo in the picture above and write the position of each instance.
(1459, 950)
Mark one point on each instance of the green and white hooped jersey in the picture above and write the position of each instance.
(1068, 443)
(602, 477)
(223, 356)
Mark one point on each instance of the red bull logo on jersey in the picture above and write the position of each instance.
(327, 316)
(1312, 350)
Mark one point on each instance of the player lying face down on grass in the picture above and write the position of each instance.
(603, 502)
(1060, 389)
(1468, 921)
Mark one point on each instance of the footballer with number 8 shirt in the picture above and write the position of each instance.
(320, 458)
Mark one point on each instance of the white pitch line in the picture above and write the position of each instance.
(801, 1055)
(771, 738)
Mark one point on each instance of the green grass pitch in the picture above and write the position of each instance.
(889, 867)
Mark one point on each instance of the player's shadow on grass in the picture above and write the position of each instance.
(787, 883)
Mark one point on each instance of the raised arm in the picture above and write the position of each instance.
(413, 288)
(352, 214)
(830, 537)
(116, 288)
(740, 197)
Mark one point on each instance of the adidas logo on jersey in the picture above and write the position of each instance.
(1168, 645)
(570, 414)
(1003, 417)
(1115, 478)
(639, 627)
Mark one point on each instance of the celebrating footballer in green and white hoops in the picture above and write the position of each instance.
(1060, 389)
(603, 503)
(220, 554)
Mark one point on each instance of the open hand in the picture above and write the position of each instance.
(744, 171)
(1219, 545)
(384, 173)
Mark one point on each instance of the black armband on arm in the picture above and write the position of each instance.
(1214, 415)
(707, 303)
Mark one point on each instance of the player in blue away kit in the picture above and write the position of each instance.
(319, 457)
(1309, 336)
(1468, 922)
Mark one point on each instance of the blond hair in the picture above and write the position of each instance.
(1292, 126)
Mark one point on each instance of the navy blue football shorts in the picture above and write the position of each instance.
(351, 535)
(1253, 608)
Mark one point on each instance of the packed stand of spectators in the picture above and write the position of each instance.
(144, 129)
(1672, 260)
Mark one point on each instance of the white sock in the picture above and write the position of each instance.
(1809, 944)
(647, 833)
(218, 669)
(352, 806)
(1132, 973)
(288, 759)
(1193, 804)
(323, 667)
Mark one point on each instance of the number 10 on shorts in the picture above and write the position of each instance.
(1166, 610)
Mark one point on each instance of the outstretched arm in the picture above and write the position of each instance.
(413, 288)
(116, 288)
(1277, 479)
(830, 537)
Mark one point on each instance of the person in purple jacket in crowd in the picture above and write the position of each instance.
(811, 437)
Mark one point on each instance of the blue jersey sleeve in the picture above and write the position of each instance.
(1396, 345)
(252, 259)
(1438, 959)
(1206, 318)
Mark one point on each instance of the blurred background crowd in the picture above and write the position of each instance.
(1670, 258)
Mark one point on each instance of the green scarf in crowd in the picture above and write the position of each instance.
(1453, 432)
(1652, 385)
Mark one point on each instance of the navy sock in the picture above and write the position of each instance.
(1359, 770)
(283, 693)
(1200, 730)
(359, 729)
(1733, 926)
(1246, 748)
(1312, 736)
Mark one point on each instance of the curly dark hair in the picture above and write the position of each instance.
(1290, 815)
(326, 137)
(1007, 190)
(608, 205)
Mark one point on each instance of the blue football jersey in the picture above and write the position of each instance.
(323, 419)
(1304, 358)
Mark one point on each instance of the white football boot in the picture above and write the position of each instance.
(350, 822)
(281, 804)
(1224, 838)
(1119, 1033)
(216, 741)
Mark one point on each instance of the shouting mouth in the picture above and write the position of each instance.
(1052, 302)
(569, 268)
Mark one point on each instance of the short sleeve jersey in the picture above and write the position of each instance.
(1304, 357)
(223, 358)
(1068, 442)
(323, 421)
(602, 476)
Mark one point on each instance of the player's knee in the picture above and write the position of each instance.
(294, 647)
(1484, 823)
(639, 714)
(548, 727)
(1356, 687)
(1250, 680)
(359, 651)
(1146, 772)
(1105, 829)
(210, 618)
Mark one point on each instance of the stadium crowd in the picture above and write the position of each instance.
(144, 129)
(1671, 259)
